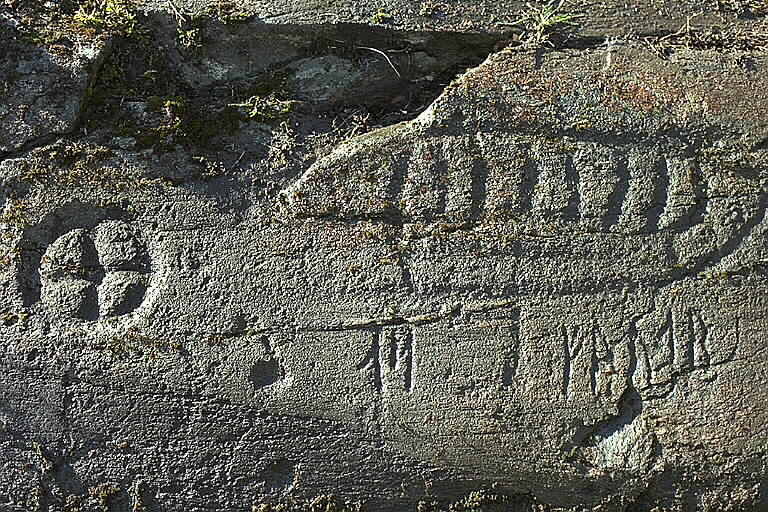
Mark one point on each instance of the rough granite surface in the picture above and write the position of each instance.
(324, 266)
(601, 18)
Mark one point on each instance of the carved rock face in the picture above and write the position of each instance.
(664, 206)
(86, 276)
(555, 231)
(551, 283)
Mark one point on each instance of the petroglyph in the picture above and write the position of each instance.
(538, 187)
(390, 358)
(550, 283)
(95, 273)
(267, 370)
(583, 185)
(514, 348)
(588, 361)
(674, 342)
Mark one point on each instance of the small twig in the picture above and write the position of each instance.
(179, 17)
(684, 32)
(385, 56)
(240, 159)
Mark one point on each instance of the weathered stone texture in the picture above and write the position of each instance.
(601, 18)
(549, 285)
(41, 90)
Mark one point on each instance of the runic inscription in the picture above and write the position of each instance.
(674, 344)
(658, 349)
(588, 358)
(390, 359)
(590, 361)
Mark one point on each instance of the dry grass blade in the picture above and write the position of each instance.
(540, 22)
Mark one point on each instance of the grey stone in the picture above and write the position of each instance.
(118, 248)
(546, 291)
(42, 90)
(121, 292)
(611, 18)
(323, 77)
(71, 298)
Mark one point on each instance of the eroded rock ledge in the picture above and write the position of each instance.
(381, 263)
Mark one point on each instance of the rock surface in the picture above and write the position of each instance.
(283, 265)
(601, 18)
(42, 90)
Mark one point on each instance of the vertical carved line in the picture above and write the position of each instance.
(660, 194)
(573, 345)
(645, 361)
(701, 357)
(503, 162)
(685, 201)
(511, 363)
(632, 348)
(372, 361)
(567, 363)
(737, 340)
(478, 189)
(423, 194)
(509, 371)
(618, 196)
(667, 335)
(597, 358)
(594, 371)
(394, 191)
(511, 358)
(699, 193)
(376, 361)
(406, 358)
(394, 356)
(688, 341)
(605, 355)
(646, 195)
(528, 185)
(595, 170)
(572, 179)
(552, 193)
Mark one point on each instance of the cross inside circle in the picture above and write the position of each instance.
(89, 274)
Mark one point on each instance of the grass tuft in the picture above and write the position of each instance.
(112, 16)
(540, 22)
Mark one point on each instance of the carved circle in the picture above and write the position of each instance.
(93, 273)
